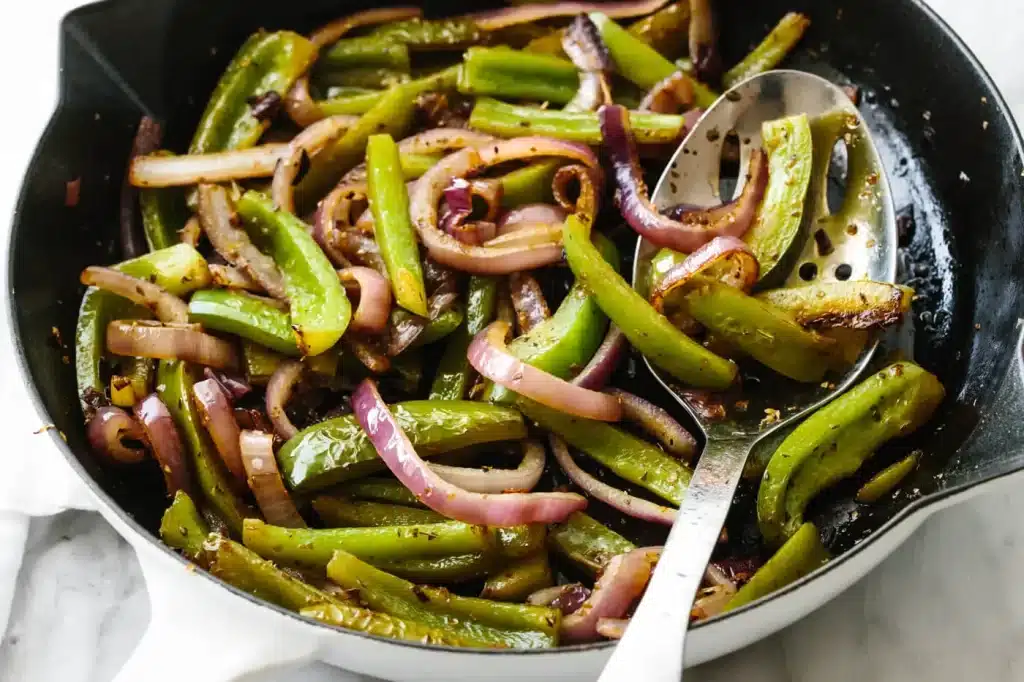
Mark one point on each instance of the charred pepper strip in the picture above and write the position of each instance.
(519, 580)
(640, 63)
(174, 386)
(454, 373)
(382, 625)
(432, 34)
(649, 332)
(318, 307)
(183, 528)
(352, 102)
(247, 316)
(267, 63)
(772, 50)
(800, 555)
(313, 547)
(179, 269)
(375, 489)
(767, 334)
(396, 236)
(480, 621)
(338, 512)
(664, 29)
(440, 327)
(337, 449)
(625, 455)
(446, 569)
(366, 51)
(835, 441)
(239, 566)
(509, 120)
(587, 543)
(515, 74)
(886, 480)
(362, 77)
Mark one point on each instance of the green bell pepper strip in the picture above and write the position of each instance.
(514, 74)
(627, 456)
(259, 362)
(790, 149)
(481, 302)
(640, 63)
(174, 386)
(391, 114)
(835, 441)
(374, 489)
(364, 51)
(665, 30)
(649, 332)
(446, 569)
(587, 543)
(510, 120)
(349, 101)
(164, 213)
(440, 327)
(267, 62)
(339, 512)
(529, 185)
(517, 542)
(313, 547)
(519, 580)
(772, 50)
(800, 555)
(432, 34)
(239, 566)
(179, 269)
(392, 226)
(247, 316)
(760, 330)
(886, 480)
(564, 343)
(318, 307)
(183, 528)
(383, 625)
(479, 621)
(454, 373)
(337, 449)
(415, 165)
(363, 77)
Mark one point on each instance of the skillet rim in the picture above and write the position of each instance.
(937, 498)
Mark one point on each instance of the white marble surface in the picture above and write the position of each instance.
(946, 607)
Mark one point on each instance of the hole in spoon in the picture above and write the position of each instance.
(843, 272)
(729, 166)
(837, 171)
(808, 271)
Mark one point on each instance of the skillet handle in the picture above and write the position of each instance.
(200, 632)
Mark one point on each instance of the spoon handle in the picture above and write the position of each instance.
(653, 646)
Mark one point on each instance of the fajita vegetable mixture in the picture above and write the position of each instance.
(371, 334)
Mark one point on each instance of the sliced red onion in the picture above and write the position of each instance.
(147, 140)
(636, 507)
(533, 147)
(371, 315)
(220, 222)
(657, 423)
(706, 404)
(566, 598)
(712, 601)
(530, 215)
(368, 353)
(583, 44)
(235, 387)
(361, 249)
(621, 584)
(299, 103)
(406, 328)
(612, 628)
(707, 63)
(265, 481)
(443, 140)
(116, 435)
(585, 180)
(218, 417)
(146, 339)
(230, 277)
(300, 149)
(694, 229)
(194, 169)
(671, 95)
(488, 356)
(528, 301)
(166, 306)
(394, 447)
(716, 576)
(529, 236)
(192, 231)
(337, 208)
(491, 20)
(728, 259)
(163, 438)
(601, 367)
(252, 419)
(522, 479)
(279, 391)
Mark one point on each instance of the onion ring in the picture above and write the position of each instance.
(491, 20)
(602, 365)
(670, 95)
(528, 300)
(193, 169)
(108, 430)
(522, 479)
(733, 260)
(148, 339)
(279, 392)
(257, 449)
(371, 315)
(166, 306)
(658, 423)
(621, 584)
(302, 147)
(218, 417)
(531, 214)
(163, 438)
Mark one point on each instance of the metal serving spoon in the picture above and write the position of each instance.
(857, 241)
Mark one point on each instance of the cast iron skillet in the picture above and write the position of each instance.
(949, 145)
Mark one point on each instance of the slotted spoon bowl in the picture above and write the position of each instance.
(856, 241)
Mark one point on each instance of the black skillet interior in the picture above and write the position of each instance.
(952, 153)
